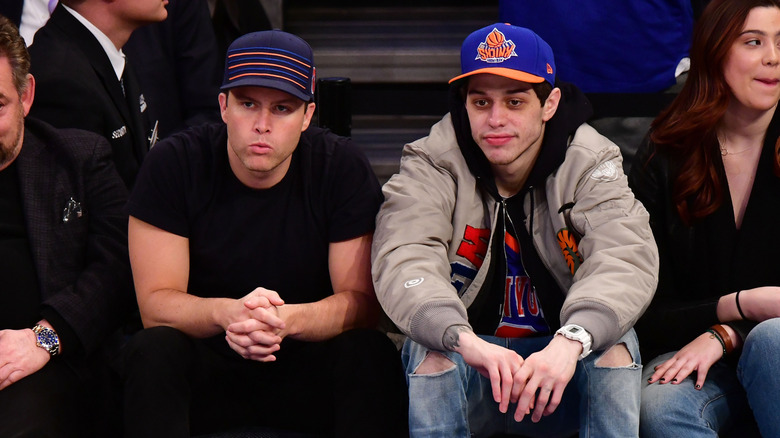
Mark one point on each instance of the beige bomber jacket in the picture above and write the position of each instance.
(431, 246)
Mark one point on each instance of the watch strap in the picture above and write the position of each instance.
(582, 336)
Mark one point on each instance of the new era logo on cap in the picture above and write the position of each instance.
(505, 50)
(272, 59)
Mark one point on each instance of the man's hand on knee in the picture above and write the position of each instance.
(494, 362)
(545, 375)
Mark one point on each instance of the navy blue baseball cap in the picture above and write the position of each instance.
(510, 51)
(272, 59)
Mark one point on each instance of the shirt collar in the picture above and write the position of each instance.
(116, 56)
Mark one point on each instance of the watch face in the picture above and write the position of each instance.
(47, 338)
(574, 330)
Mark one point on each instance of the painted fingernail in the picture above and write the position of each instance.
(698, 386)
(674, 380)
(650, 380)
(662, 379)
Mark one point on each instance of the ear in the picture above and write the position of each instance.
(551, 104)
(223, 98)
(307, 115)
(28, 95)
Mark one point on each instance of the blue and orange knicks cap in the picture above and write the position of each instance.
(510, 51)
(271, 59)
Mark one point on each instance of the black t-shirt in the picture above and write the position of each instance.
(241, 238)
(20, 299)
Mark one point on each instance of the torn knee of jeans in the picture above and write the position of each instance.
(617, 356)
(434, 363)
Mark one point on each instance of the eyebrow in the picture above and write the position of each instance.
(508, 92)
(246, 96)
(757, 32)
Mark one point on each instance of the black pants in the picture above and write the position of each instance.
(175, 386)
(58, 401)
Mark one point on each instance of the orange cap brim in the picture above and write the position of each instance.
(505, 72)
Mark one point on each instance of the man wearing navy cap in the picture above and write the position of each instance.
(250, 248)
(513, 254)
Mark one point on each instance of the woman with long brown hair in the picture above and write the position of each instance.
(709, 177)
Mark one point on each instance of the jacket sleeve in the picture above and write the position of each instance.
(410, 267)
(100, 297)
(617, 278)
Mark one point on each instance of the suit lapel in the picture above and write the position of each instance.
(36, 181)
(139, 123)
(82, 37)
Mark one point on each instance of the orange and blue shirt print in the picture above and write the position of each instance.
(522, 315)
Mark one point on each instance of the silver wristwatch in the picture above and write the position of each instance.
(579, 334)
(47, 339)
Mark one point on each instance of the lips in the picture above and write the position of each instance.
(497, 139)
(767, 81)
(259, 148)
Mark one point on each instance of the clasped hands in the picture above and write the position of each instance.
(535, 384)
(257, 329)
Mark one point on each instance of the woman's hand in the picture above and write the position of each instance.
(699, 355)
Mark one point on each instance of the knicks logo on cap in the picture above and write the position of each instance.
(496, 48)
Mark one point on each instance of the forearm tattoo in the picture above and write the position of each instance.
(451, 338)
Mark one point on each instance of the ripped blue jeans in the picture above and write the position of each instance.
(458, 402)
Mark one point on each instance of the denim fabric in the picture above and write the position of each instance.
(458, 402)
(758, 373)
(681, 410)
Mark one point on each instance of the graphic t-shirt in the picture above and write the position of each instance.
(521, 314)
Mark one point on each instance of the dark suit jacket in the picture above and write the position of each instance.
(76, 87)
(178, 66)
(82, 264)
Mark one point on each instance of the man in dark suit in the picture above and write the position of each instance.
(83, 81)
(66, 282)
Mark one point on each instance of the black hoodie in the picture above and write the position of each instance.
(573, 110)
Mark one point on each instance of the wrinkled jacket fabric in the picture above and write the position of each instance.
(432, 246)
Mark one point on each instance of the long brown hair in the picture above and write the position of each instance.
(688, 125)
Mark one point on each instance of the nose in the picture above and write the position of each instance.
(263, 122)
(772, 56)
(497, 116)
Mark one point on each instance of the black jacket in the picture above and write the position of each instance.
(711, 258)
(82, 264)
(76, 87)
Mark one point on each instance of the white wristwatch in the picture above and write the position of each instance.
(579, 334)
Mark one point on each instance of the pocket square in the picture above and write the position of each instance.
(72, 210)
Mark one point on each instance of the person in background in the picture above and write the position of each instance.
(178, 66)
(84, 80)
(710, 177)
